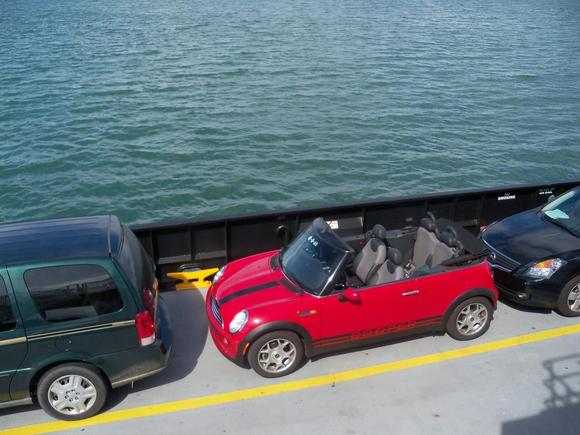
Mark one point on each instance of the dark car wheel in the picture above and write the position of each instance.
(470, 319)
(569, 299)
(276, 354)
(72, 391)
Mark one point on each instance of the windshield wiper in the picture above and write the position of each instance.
(561, 225)
(292, 279)
(290, 276)
(284, 270)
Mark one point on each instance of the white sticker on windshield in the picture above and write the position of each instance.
(313, 240)
(333, 224)
(557, 214)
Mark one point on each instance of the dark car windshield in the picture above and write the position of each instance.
(565, 211)
(313, 257)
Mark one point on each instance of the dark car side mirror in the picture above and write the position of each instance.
(349, 295)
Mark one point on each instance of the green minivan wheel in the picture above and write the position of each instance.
(72, 391)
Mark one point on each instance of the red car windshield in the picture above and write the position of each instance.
(312, 259)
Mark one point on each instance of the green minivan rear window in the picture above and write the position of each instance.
(135, 261)
(7, 320)
(63, 293)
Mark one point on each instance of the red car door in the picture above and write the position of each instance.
(438, 291)
(379, 311)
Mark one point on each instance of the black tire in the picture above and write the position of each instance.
(289, 337)
(453, 328)
(563, 307)
(87, 373)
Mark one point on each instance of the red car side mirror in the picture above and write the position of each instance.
(349, 295)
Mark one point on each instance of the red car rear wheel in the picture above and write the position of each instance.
(470, 319)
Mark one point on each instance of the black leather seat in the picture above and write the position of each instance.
(390, 270)
(369, 259)
(426, 241)
(448, 247)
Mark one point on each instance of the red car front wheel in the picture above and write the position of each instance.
(276, 354)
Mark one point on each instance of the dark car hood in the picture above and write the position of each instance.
(527, 237)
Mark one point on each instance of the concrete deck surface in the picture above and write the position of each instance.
(525, 390)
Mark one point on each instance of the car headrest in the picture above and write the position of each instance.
(431, 216)
(379, 232)
(448, 238)
(395, 255)
(428, 224)
(375, 244)
(451, 230)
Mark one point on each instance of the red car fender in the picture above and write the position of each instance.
(257, 332)
(484, 292)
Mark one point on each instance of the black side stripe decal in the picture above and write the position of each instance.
(246, 291)
(379, 332)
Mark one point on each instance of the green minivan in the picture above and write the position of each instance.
(79, 314)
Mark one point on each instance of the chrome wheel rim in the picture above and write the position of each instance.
(472, 319)
(277, 355)
(574, 298)
(72, 395)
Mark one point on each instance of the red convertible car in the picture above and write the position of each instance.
(319, 294)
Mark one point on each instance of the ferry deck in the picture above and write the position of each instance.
(521, 377)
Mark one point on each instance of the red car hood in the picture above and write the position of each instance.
(250, 282)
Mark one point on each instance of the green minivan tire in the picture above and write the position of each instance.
(72, 391)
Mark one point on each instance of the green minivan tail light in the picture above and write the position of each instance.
(145, 328)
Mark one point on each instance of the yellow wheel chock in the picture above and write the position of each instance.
(191, 279)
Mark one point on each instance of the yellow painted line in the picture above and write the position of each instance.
(285, 387)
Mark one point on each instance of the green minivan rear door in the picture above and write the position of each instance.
(13, 343)
(76, 311)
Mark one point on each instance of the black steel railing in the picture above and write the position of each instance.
(215, 241)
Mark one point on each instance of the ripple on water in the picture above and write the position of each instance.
(198, 108)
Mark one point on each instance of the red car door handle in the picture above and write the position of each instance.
(411, 293)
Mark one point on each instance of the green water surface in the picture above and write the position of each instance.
(186, 108)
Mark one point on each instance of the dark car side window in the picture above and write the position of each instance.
(72, 292)
(7, 320)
